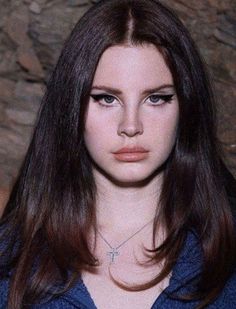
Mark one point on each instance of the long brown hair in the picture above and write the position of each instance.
(45, 225)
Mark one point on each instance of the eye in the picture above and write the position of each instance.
(107, 98)
(159, 99)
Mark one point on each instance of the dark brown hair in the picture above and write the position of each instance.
(51, 208)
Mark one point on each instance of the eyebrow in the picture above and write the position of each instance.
(116, 91)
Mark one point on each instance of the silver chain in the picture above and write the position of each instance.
(115, 251)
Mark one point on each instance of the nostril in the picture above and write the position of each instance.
(130, 130)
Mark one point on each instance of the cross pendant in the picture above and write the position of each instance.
(112, 254)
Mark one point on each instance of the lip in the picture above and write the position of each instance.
(131, 154)
(134, 149)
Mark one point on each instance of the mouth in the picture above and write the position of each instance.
(131, 154)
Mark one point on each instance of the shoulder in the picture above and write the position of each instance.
(54, 303)
(227, 297)
(189, 267)
(3, 293)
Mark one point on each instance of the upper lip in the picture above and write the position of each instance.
(131, 149)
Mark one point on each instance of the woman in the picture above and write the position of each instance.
(120, 202)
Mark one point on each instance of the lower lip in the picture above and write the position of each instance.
(131, 156)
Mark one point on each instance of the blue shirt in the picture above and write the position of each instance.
(187, 268)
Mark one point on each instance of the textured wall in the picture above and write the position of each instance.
(31, 38)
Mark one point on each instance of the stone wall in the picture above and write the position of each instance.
(31, 36)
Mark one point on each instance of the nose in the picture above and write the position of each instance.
(130, 123)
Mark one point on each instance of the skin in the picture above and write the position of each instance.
(130, 119)
(128, 192)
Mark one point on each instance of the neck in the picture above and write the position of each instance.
(126, 206)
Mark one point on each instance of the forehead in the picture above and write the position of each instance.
(141, 65)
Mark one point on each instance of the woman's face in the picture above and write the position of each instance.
(132, 104)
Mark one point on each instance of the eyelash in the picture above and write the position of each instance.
(99, 97)
(164, 97)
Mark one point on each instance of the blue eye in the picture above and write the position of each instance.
(154, 98)
(103, 97)
(160, 98)
(108, 98)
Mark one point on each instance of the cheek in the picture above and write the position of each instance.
(169, 129)
(98, 123)
(165, 124)
(97, 134)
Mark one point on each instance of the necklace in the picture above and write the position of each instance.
(113, 252)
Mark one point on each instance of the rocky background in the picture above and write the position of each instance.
(31, 36)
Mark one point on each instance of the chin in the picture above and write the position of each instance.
(130, 177)
(134, 181)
